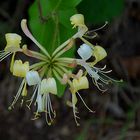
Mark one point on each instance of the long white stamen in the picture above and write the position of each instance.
(84, 103)
(51, 106)
(33, 96)
(49, 112)
(17, 95)
(97, 84)
(75, 116)
(4, 55)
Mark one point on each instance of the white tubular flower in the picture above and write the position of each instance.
(51, 84)
(48, 86)
(13, 45)
(85, 51)
(32, 78)
(20, 69)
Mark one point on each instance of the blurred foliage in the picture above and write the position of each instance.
(99, 11)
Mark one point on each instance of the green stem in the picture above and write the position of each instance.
(37, 65)
(60, 47)
(66, 60)
(57, 75)
(34, 54)
(87, 42)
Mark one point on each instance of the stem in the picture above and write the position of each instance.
(63, 69)
(68, 46)
(85, 41)
(66, 60)
(57, 75)
(37, 65)
(34, 54)
(60, 47)
(62, 64)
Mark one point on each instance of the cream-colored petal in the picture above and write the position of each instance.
(20, 69)
(13, 42)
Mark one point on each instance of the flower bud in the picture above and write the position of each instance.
(48, 86)
(20, 69)
(85, 51)
(32, 78)
(77, 20)
(99, 53)
(13, 42)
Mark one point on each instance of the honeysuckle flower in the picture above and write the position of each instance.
(98, 75)
(99, 53)
(20, 69)
(52, 67)
(75, 86)
(33, 79)
(13, 45)
(85, 51)
(78, 21)
(48, 86)
(43, 101)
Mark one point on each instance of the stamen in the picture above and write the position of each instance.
(48, 108)
(97, 85)
(50, 104)
(111, 79)
(17, 95)
(47, 111)
(32, 98)
(4, 55)
(75, 116)
(84, 103)
(89, 32)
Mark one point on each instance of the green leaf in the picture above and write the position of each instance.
(99, 11)
(64, 4)
(56, 29)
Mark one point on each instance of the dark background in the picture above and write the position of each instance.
(117, 115)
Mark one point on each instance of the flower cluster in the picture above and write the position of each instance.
(42, 75)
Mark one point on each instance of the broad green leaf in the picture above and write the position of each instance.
(64, 4)
(57, 29)
(99, 11)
